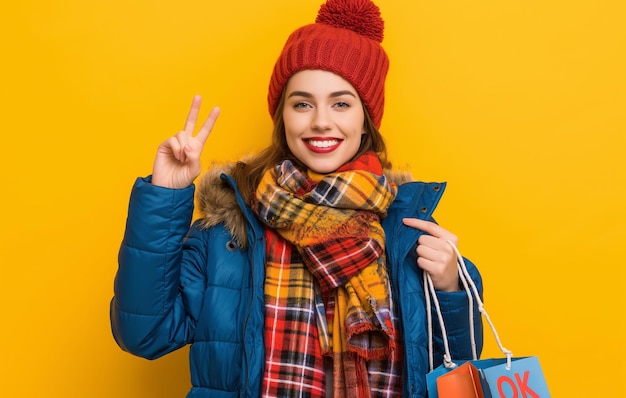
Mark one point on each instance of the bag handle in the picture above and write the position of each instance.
(472, 293)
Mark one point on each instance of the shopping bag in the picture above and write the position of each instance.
(506, 377)
(461, 382)
(523, 379)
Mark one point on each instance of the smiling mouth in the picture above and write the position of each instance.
(322, 145)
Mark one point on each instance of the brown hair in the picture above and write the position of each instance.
(248, 173)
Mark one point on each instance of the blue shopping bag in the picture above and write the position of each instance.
(524, 378)
(506, 377)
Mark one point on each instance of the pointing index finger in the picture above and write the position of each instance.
(427, 226)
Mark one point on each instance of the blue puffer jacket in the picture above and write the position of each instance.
(204, 286)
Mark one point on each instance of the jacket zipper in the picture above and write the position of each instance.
(250, 306)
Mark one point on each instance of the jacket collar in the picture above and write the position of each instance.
(220, 202)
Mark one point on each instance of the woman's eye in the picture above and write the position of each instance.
(342, 105)
(301, 105)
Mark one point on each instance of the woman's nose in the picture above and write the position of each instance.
(321, 120)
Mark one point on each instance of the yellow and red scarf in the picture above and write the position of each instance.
(327, 293)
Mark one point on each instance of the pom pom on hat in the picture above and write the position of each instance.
(345, 39)
(360, 16)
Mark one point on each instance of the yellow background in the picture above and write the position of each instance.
(519, 105)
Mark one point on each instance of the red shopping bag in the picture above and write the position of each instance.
(462, 382)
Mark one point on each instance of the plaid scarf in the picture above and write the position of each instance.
(327, 293)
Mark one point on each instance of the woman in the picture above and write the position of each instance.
(303, 277)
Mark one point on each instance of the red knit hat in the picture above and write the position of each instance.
(345, 39)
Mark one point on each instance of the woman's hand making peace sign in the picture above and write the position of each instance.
(177, 162)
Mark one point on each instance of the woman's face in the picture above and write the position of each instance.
(323, 118)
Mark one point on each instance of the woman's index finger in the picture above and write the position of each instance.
(426, 226)
(432, 229)
(192, 116)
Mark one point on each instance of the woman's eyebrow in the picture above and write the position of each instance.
(300, 94)
(340, 93)
(309, 95)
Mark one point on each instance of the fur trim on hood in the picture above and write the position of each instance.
(218, 205)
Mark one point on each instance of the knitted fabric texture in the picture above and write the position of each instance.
(345, 39)
(327, 289)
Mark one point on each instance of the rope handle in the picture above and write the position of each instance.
(472, 293)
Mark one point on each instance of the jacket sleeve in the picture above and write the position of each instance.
(456, 314)
(154, 309)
